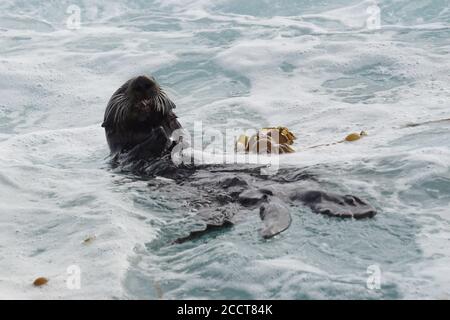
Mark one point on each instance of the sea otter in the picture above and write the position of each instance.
(139, 122)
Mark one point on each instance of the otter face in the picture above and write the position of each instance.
(143, 88)
(146, 95)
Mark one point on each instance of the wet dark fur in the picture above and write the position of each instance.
(141, 144)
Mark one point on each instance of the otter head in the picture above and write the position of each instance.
(145, 95)
(142, 90)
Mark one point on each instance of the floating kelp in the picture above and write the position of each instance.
(267, 140)
(355, 136)
(89, 239)
(40, 281)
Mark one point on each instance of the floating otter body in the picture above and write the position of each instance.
(139, 122)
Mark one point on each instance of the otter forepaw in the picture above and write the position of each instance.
(153, 146)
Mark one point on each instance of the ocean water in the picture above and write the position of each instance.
(322, 68)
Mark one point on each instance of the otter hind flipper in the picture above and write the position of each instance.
(330, 204)
(213, 221)
(276, 218)
(207, 229)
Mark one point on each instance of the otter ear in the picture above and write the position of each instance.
(103, 125)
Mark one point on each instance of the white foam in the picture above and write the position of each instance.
(50, 208)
